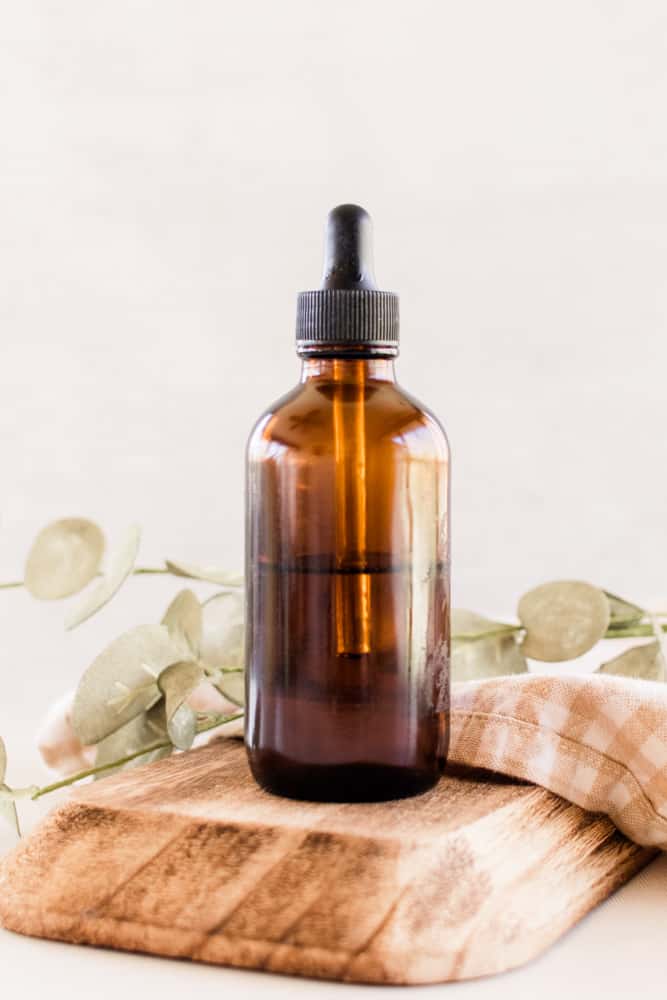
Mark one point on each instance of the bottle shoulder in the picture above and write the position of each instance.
(431, 420)
(305, 418)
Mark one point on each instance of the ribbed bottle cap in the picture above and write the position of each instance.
(349, 308)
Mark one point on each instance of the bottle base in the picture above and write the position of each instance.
(356, 782)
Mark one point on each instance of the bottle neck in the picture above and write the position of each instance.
(344, 369)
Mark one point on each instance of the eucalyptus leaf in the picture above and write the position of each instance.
(495, 656)
(210, 574)
(142, 731)
(471, 626)
(182, 727)
(223, 643)
(644, 662)
(121, 566)
(231, 686)
(563, 620)
(8, 811)
(122, 682)
(183, 618)
(64, 557)
(623, 614)
(177, 682)
(7, 805)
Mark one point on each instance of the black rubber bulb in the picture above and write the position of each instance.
(348, 249)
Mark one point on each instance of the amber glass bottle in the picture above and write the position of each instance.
(347, 543)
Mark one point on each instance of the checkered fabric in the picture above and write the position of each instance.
(600, 742)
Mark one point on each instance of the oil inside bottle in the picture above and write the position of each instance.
(355, 721)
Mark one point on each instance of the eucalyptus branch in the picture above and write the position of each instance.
(211, 723)
(613, 632)
(216, 674)
(556, 622)
(89, 772)
(218, 720)
(137, 571)
(487, 634)
(632, 631)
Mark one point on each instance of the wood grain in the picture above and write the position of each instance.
(187, 857)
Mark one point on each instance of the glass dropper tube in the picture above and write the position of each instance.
(353, 583)
(348, 266)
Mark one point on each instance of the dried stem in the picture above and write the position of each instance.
(497, 630)
(137, 571)
(211, 723)
(622, 632)
(632, 631)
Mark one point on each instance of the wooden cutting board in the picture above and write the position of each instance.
(187, 857)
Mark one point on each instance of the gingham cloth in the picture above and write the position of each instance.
(600, 742)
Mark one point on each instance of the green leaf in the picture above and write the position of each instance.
(121, 566)
(142, 731)
(623, 614)
(223, 643)
(468, 625)
(483, 648)
(7, 805)
(231, 685)
(183, 618)
(121, 683)
(642, 661)
(563, 620)
(8, 811)
(64, 557)
(182, 727)
(496, 656)
(177, 682)
(210, 574)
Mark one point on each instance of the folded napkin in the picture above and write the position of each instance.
(600, 742)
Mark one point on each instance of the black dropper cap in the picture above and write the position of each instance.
(348, 309)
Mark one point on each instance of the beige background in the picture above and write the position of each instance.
(165, 170)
